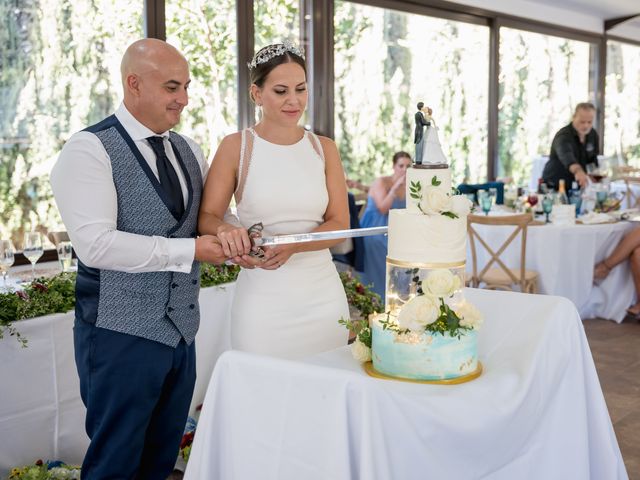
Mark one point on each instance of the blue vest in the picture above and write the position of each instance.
(159, 306)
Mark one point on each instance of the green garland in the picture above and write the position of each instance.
(45, 296)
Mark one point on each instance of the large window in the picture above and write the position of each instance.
(205, 32)
(59, 73)
(542, 78)
(274, 22)
(622, 102)
(385, 63)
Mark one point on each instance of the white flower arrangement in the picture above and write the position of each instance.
(469, 315)
(436, 201)
(441, 283)
(360, 351)
(417, 313)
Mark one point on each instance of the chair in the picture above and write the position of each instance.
(57, 237)
(501, 277)
(633, 199)
(471, 188)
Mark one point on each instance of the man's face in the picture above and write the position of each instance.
(583, 121)
(162, 94)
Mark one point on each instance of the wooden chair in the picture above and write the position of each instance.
(633, 200)
(501, 277)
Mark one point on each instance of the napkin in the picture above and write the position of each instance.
(593, 218)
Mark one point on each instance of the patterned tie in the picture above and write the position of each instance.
(168, 177)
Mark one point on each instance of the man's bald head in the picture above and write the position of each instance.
(147, 55)
(155, 77)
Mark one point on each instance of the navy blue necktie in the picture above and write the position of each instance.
(168, 177)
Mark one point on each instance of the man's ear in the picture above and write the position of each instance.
(133, 84)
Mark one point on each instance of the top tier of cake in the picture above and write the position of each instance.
(421, 235)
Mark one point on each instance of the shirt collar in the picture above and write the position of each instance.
(136, 130)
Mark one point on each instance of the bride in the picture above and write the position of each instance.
(287, 303)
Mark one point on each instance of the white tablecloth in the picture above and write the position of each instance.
(41, 413)
(565, 256)
(537, 411)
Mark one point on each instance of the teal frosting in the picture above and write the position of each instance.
(431, 357)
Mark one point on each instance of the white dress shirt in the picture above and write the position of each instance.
(83, 187)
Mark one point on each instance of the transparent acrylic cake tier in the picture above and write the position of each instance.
(405, 282)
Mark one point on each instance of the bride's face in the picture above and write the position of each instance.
(284, 94)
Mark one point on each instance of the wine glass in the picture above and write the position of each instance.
(532, 198)
(486, 200)
(65, 252)
(6, 259)
(547, 206)
(32, 249)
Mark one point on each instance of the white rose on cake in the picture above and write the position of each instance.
(461, 205)
(418, 312)
(441, 283)
(360, 351)
(435, 201)
(469, 315)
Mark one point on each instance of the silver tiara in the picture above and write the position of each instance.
(273, 51)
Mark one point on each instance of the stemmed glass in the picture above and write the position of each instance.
(547, 206)
(6, 259)
(532, 198)
(32, 249)
(486, 200)
(601, 197)
(65, 252)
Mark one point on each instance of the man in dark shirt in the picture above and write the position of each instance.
(573, 147)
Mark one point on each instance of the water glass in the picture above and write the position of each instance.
(575, 198)
(65, 254)
(6, 259)
(32, 249)
(547, 206)
(486, 200)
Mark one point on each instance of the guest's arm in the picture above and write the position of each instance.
(382, 197)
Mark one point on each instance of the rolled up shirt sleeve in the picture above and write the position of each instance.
(86, 197)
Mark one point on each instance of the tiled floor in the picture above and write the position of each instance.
(616, 352)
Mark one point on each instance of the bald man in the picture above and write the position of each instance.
(128, 190)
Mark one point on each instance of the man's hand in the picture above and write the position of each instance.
(208, 250)
(581, 177)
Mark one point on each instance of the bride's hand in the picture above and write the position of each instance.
(275, 257)
(234, 240)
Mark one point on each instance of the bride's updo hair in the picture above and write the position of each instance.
(269, 57)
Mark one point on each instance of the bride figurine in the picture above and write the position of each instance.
(432, 153)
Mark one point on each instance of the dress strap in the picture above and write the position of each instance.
(246, 153)
(315, 143)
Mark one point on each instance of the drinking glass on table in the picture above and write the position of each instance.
(32, 249)
(6, 259)
(547, 206)
(65, 254)
(532, 198)
(486, 200)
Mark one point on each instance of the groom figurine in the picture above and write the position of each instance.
(418, 138)
(128, 190)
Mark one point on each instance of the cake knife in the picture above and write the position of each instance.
(315, 236)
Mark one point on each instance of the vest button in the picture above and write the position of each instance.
(195, 282)
(169, 309)
(174, 285)
(192, 306)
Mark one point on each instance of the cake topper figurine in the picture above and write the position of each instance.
(421, 122)
(428, 150)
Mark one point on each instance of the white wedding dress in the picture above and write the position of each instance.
(293, 311)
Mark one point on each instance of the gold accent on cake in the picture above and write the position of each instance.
(372, 372)
(400, 263)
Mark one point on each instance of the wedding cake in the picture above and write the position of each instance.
(427, 331)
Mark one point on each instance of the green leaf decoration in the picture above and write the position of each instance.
(435, 182)
(449, 214)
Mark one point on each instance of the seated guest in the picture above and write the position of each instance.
(573, 147)
(628, 248)
(385, 193)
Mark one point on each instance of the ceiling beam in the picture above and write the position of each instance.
(612, 22)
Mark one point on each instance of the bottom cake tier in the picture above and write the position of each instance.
(424, 356)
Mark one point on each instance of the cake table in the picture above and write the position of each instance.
(537, 411)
